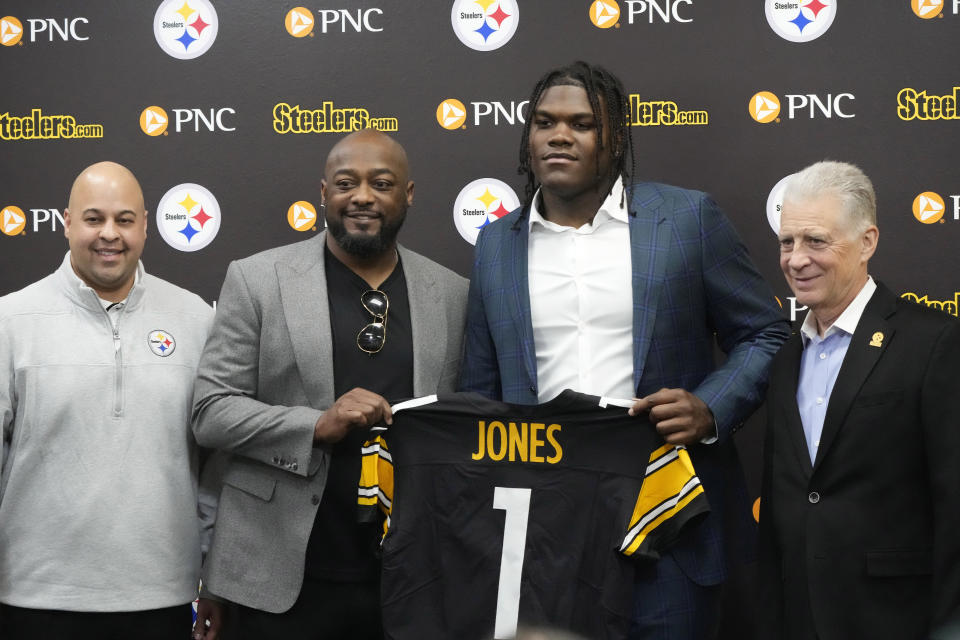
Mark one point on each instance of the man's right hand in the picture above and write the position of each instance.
(356, 408)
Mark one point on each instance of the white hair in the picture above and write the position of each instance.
(842, 179)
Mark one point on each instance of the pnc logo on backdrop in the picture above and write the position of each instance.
(302, 216)
(765, 107)
(300, 22)
(930, 207)
(154, 120)
(50, 29)
(14, 220)
(607, 13)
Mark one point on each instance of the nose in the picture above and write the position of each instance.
(362, 195)
(560, 136)
(108, 231)
(799, 258)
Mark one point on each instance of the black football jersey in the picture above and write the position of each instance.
(498, 515)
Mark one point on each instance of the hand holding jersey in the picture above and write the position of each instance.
(680, 417)
(356, 408)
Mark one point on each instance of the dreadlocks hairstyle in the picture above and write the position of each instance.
(610, 105)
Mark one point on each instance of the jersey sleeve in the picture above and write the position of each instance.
(375, 492)
(671, 496)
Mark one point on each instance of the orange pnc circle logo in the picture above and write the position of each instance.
(604, 13)
(11, 30)
(451, 114)
(302, 216)
(12, 221)
(928, 207)
(299, 22)
(153, 121)
(764, 107)
(927, 9)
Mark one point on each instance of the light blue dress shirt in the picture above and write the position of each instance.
(821, 362)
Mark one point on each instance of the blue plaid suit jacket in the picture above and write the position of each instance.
(694, 286)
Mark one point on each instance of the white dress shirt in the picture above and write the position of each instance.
(581, 302)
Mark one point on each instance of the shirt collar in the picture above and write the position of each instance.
(848, 320)
(77, 281)
(613, 207)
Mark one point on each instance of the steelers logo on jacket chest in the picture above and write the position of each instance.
(161, 343)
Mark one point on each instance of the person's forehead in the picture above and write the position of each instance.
(569, 97)
(824, 208)
(366, 153)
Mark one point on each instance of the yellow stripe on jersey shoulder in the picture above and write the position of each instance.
(669, 489)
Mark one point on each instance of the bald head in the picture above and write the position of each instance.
(369, 142)
(106, 226)
(105, 177)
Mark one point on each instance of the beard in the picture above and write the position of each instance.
(366, 245)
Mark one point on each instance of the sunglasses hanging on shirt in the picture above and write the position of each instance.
(373, 336)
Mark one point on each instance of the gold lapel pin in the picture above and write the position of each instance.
(877, 340)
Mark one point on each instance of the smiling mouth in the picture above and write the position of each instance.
(108, 253)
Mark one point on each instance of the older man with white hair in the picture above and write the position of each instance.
(860, 508)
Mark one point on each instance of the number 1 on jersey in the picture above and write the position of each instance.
(516, 502)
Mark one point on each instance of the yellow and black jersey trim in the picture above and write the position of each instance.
(375, 492)
(670, 496)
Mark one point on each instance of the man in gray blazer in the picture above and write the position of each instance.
(310, 344)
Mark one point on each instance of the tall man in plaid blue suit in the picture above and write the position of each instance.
(619, 289)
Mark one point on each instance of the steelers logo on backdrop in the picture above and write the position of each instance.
(302, 216)
(927, 9)
(12, 220)
(604, 13)
(161, 343)
(188, 217)
(764, 107)
(451, 114)
(299, 22)
(185, 29)
(485, 25)
(480, 203)
(928, 207)
(154, 121)
(11, 31)
(775, 204)
(800, 20)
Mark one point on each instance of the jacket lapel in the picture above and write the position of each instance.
(428, 321)
(517, 283)
(303, 294)
(868, 343)
(649, 239)
(787, 378)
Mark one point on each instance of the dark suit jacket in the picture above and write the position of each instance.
(692, 282)
(871, 530)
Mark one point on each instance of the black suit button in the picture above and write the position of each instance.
(814, 497)
(315, 499)
(533, 389)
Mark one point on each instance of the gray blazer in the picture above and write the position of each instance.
(265, 378)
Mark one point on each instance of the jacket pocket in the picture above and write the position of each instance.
(250, 480)
(899, 563)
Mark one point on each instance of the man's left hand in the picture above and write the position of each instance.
(679, 416)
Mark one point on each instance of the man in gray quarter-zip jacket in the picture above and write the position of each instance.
(99, 532)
